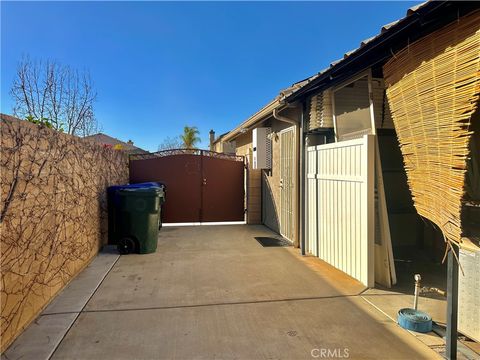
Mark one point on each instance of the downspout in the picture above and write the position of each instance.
(284, 118)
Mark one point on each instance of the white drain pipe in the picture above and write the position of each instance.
(283, 118)
(417, 278)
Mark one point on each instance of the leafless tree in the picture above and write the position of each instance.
(49, 91)
(170, 143)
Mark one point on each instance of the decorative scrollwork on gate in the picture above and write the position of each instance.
(198, 152)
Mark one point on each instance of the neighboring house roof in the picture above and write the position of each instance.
(220, 138)
(104, 139)
(100, 138)
(406, 28)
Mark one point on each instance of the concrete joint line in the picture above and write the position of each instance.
(82, 310)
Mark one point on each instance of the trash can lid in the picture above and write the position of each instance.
(153, 191)
(138, 185)
(148, 184)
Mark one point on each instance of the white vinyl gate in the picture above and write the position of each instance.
(340, 206)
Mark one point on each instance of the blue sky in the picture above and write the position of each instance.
(158, 66)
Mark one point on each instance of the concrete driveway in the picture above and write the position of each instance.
(214, 292)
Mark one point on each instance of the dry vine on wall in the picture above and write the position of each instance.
(53, 214)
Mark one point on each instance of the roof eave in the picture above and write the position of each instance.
(358, 59)
(256, 118)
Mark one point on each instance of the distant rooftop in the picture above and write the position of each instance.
(104, 139)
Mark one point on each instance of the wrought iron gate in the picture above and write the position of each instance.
(202, 186)
(287, 183)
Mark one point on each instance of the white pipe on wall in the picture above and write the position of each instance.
(283, 118)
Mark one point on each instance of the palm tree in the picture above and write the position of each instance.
(190, 137)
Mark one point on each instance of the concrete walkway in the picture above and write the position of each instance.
(215, 292)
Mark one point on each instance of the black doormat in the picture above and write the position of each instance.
(272, 242)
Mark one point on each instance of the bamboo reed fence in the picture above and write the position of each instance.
(433, 88)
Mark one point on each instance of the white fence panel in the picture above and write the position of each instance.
(340, 206)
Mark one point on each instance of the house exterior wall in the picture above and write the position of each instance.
(54, 215)
(224, 147)
(263, 194)
(271, 180)
(217, 147)
(253, 201)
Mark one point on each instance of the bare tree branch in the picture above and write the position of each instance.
(170, 143)
(57, 93)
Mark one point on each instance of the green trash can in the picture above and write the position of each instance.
(139, 220)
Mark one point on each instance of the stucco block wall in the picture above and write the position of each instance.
(53, 215)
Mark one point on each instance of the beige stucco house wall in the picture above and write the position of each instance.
(253, 201)
(271, 189)
(263, 189)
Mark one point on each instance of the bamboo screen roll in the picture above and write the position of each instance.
(321, 111)
(433, 88)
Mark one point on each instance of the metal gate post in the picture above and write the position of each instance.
(452, 304)
(301, 201)
(202, 185)
(247, 184)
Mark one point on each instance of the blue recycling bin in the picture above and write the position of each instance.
(113, 204)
